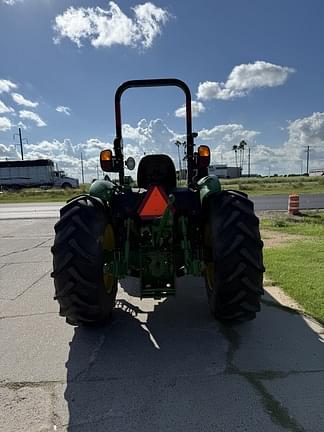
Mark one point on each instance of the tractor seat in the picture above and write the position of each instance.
(156, 169)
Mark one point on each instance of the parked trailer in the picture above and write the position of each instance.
(33, 173)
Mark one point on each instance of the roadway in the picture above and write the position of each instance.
(158, 366)
(51, 210)
(280, 202)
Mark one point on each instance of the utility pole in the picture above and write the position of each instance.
(21, 142)
(249, 162)
(21, 145)
(82, 169)
(307, 160)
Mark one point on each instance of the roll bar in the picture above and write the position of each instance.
(118, 143)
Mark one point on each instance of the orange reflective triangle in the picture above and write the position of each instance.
(154, 203)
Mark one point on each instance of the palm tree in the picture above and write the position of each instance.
(234, 148)
(241, 149)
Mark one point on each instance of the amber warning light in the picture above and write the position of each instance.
(107, 161)
(203, 156)
(154, 203)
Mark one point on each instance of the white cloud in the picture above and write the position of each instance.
(20, 100)
(288, 157)
(29, 115)
(67, 154)
(156, 137)
(307, 131)
(148, 22)
(6, 86)
(5, 124)
(196, 109)
(150, 137)
(107, 27)
(228, 133)
(21, 125)
(64, 109)
(244, 78)
(8, 152)
(12, 2)
(4, 108)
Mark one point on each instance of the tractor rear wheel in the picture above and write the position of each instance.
(84, 235)
(233, 257)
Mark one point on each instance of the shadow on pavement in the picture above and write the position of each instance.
(175, 368)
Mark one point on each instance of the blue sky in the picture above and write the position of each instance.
(255, 69)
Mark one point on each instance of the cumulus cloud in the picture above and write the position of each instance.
(288, 157)
(244, 78)
(8, 152)
(149, 137)
(20, 100)
(6, 86)
(107, 27)
(196, 109)
(67, 155)
(228, 133)
(64, 109)
(307, 131)
(29, 115)
(5, 124)
(4, 108)
(155, 136)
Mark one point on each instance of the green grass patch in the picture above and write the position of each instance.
(276, 185)
(39, 195)
(299, 270)
(308, 224)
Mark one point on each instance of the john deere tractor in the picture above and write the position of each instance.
(157, 232)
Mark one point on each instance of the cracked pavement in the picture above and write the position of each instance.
(159, 365)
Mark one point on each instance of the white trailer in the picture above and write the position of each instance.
(33, 173)
(224, 171)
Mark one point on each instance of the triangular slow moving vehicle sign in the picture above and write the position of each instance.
(154, 204)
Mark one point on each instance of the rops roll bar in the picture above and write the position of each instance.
(118, 143)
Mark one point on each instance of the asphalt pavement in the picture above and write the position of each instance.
(280, 202)
(158, 366)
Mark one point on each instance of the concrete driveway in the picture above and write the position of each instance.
(159, 366)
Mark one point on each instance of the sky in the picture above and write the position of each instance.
(255, 69)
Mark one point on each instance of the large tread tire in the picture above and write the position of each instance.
(78, 260)
(233, 257)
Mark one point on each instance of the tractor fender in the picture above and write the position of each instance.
(103, 189)
(208, 186)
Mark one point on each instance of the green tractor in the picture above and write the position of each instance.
(157, 232)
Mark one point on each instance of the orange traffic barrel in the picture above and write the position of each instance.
(293, 204)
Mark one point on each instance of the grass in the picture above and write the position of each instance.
(276, 185)
(298, 268)
(252, 186)
(38, 195)
(307, 224)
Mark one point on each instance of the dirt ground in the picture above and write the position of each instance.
(274, 238)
